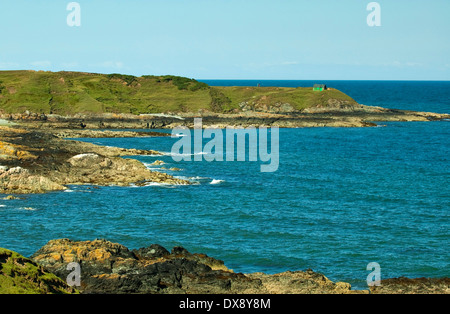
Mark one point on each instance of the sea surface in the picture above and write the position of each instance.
(340, 199)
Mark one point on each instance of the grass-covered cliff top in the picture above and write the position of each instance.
(67, 93)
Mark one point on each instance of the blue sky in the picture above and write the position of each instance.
(231, 39)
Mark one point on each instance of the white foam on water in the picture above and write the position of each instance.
(199, 178)
(215, 181)
(182, 155)
(28, 208)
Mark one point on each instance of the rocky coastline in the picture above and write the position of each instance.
(332, 115)
(38, 155)
(36, 161)
(111, 268)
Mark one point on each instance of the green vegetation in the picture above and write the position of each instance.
(67, 93)
(182, 83)
(19, 275)
(129, 79)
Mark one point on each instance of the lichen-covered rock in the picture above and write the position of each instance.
(58, 162)
(302, 282)
(20, 275)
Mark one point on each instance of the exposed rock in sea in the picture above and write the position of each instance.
(92, 168)
(335, 113)
(112, 268)
(76, 133)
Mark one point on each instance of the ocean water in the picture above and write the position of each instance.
(340, 199)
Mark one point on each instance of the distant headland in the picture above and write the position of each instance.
(90, 100)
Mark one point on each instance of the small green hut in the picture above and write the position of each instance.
(319, 87)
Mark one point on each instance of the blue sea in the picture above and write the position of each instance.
(340, 199)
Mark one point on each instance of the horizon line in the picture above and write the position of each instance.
(242, 79)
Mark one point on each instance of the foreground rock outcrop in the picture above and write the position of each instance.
(20, 275)
(112, 268)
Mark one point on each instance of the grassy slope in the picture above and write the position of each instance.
(300, 98)
(19, 275)
(76, 92)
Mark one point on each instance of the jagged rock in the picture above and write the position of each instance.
(74, 133)
(11, 197)
(20, 275)
(58, 162)
(18, 180)
(112, 268)
(153, 251)
(85, 160)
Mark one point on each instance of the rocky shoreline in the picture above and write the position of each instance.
(333, 115)
(111, 268)
(38, 155)
(38, 161)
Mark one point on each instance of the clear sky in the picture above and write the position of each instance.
(231, 39)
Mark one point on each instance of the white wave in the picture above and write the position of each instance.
(156, 184)
(198, 178)
(2, 205)
(28, 208)
(214, 181)
(69, 191)
(161, 115)
(182, 177)
(153, 167)
(183, 155)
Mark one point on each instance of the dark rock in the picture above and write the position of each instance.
(179, 250)
(111, 268)
(153, 251)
